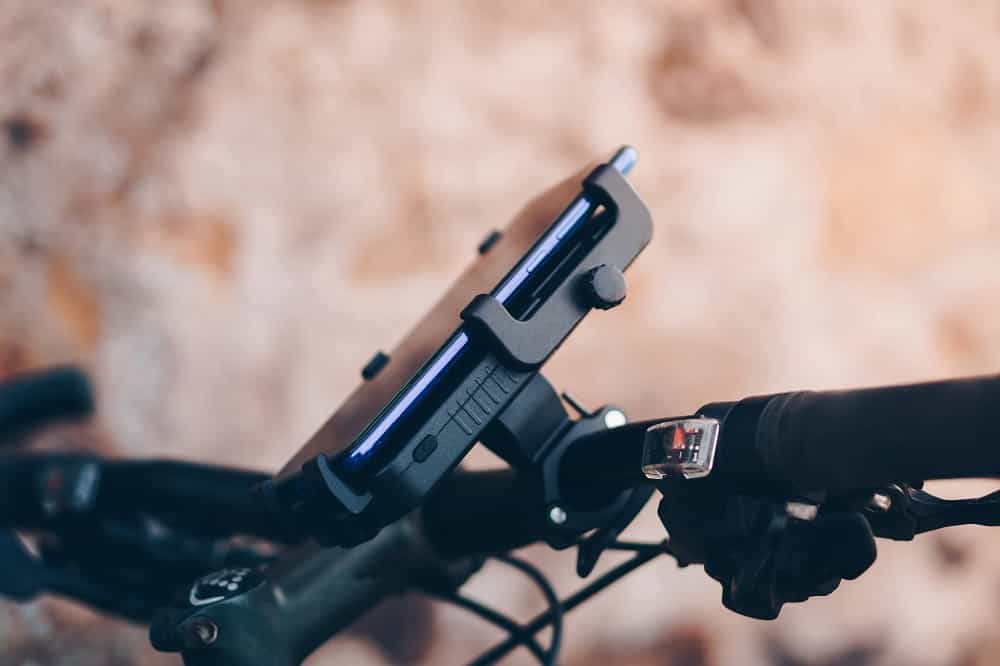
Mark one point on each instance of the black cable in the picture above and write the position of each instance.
(555, 611)
(639, 547)
(519, 635)
(541, 621)
(515, 630)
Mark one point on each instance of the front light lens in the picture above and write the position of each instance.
(680, 448)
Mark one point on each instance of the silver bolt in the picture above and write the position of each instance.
(880, 502)
(615, 418)
(802, 511)
(201, 632)
(557, 515)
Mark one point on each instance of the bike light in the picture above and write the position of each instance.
(680, 448)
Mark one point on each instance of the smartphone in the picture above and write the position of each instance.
(521, 291)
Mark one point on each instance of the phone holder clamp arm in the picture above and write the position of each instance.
(596, 282)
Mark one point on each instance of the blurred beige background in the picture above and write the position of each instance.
(222, 208)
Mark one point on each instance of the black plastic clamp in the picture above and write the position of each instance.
(319, 503)
(596, 281)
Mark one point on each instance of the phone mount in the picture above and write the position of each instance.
(534, 436)
(323, 503)
(596, 282)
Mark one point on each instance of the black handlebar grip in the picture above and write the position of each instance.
(840, 441)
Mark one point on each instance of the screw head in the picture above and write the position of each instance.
(615, 418)
(200, 632)
(557, 515)
(879, 502)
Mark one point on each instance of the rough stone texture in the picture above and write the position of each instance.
(222, 208)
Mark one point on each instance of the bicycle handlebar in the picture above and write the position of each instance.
(843, 441)
(203, 499)
(37, 490)
(835, 442)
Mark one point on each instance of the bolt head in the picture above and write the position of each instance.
(200, 632)
(802, 511)
(880, 502)
(615, 418)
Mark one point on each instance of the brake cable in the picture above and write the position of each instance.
(554, 614)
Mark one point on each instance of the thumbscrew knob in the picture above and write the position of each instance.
(603, 287)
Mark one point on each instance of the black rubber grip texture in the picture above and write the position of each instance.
(840, 441)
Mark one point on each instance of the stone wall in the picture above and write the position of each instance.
(222, 208)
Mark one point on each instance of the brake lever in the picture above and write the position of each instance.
(22, 575)
(901, 511)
